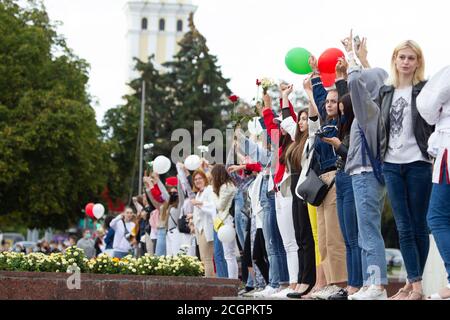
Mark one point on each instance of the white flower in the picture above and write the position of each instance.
(75, 253)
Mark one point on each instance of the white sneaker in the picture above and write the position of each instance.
(283, 293)
(373, 293)
(267, 292)
(326, 292)
(356, 295)
(252, 293)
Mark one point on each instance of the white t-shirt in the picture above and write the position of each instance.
(403, 147)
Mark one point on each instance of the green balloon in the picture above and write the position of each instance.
(297, 61)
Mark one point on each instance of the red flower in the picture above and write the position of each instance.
(234, 98)
(258, 83)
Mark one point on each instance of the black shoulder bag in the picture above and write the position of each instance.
(314, 190)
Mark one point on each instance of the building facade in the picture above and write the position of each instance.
(155, 27)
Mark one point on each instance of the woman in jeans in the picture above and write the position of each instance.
(364, 166)
(407, 165)
(278, 272)
(346, 202)
(224, 192)
(433, 104)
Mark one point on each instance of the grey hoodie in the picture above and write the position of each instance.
(364, 87)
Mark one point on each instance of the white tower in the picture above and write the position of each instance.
(155, 27)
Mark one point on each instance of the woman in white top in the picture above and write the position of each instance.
(433, 104)
(203, 215)
(123, 226)
(224, 192)
(407, 166)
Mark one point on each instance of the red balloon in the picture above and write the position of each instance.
(328, 60)
(89, 210)
(328, 79)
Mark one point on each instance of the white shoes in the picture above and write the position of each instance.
(283, 293)
(326, 292)
(251, 294)
(267, 292)
(370, 293)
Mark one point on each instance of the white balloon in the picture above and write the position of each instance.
(254, 126)
(161, 165)
(192, 162)
(226, 234)
(98, 210)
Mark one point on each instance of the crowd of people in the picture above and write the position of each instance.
(369, 136)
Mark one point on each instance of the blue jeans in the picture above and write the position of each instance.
(409, 188)
(369, 196)
(348, 222)
(241, 221)
(219, 258)
(439, 221)
(161, 242)
(278, 271)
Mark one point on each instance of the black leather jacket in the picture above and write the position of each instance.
(422, 130)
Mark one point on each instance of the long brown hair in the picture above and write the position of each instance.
(295, 151)
(165, 211)
(220, 176)
(345, 127)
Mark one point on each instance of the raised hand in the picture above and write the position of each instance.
(348, 42)
(267, 101)
(307, 84)
(287, 90)
(313, 63)
(341, 68)
(362, 52)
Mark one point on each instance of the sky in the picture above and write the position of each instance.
(251, 37)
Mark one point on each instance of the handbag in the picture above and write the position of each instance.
(314, 190)
(183, 225)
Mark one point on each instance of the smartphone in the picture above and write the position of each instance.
(357, 42)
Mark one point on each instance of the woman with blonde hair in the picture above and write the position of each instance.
(407, 165)
(203, 215)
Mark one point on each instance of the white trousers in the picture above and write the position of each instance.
(286, 226)
(188, 241)
(173, 242)
(229, 251)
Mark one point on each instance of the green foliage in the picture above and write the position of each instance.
(191, 88)
(52, 157)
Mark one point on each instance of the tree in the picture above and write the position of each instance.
(200, 90)
(52, 157)
(122, 127)
(190, 88)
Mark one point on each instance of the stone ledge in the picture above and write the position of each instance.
(53, 286)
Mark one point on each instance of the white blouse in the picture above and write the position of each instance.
(203, 216)
(224, 201)
(433, 104)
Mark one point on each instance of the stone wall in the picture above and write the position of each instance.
(53, 286)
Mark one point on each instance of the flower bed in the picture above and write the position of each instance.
(44, 277)
(74, 257)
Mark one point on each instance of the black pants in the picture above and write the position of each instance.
(304, 237)
(247, 246)
(260, 254)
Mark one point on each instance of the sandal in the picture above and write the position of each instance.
(415, 295)
(401, 294)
